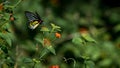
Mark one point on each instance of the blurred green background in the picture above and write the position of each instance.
(90, 34)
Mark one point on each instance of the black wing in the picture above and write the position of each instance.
(31, 16)
(38, 16)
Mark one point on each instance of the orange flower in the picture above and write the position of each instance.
(58, 35)
(1, 6)
(46, 42)
(54, 66)
(83, 30)
(54, 2)
(12, 18)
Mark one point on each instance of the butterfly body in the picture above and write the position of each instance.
(33, 19)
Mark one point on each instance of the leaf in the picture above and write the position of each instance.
(37, 65)
(44, 29)
(1, 6)
(27, 60)
(2, 41)
(55, 26)
(43, 52)
(4, 49)
(89, 64)
(7, 38)
(39, 40)
(106, 62)
(51, 49)
(88, 38)
(117, 28)
(5, 65)
(77, 40)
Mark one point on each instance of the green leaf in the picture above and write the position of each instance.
(27, 60)
(77, 40)
(85, 57)
(6, 37)
(114, 17)
(8, 40)
(2, 41)
(89, 64)
(51, 49)
(88, 38)
(37, 65)
(6, 16)
(39, 40)
(106, 62)
(43, 52)
(5, 65)
(117, 28)
(4, 49)
(44, 29)
(55, 26)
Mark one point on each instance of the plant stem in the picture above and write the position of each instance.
(17, 3)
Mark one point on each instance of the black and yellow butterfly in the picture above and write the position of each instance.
(34, 19)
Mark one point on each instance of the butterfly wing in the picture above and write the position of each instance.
(34, 19)
(31, 16)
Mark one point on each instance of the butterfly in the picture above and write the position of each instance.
(33, 19)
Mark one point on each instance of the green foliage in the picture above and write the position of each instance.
(73, 34)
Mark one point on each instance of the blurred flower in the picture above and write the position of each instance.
(54, 66)
(46, 42)
(12, 18)
(54, 2)
(86, 35)
(58, 35)
(1, 6)
(83, 30)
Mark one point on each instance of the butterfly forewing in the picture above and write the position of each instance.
(31, 16)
